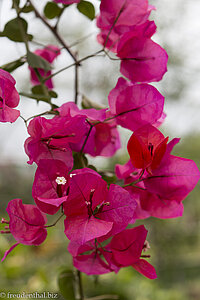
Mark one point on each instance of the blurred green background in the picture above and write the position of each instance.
(175, 243)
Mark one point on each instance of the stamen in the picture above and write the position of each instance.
(150, 148)
(146, 246)
(61, 180)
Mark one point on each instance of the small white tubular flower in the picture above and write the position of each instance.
(61, 180)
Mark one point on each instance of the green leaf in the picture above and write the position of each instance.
(66, 284)
(40, 90)
(37, 62)
(108, 177)
(16, 30)
(53, 94)
(15, 3)
(43, 90)
(37, 97)
(13, 65)
(27, 8)
(52, 10)
(87, 9)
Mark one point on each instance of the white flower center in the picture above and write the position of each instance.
(61, 180)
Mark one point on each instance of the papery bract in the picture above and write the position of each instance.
(127, 247)
(119, 16)
(146, 147)
(98, 261)
(92, 211)
(135, 105)
(52, 138)
(50, 186)
(161, 192)
(86, 192)
(27, 224)
(142, 60)
(49, 53)
(104, 137)
(168, 185)
(124, 250)
(119, 209)
(9, 98)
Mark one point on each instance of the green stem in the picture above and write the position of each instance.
(54, 224)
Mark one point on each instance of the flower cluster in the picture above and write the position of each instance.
(155, 182)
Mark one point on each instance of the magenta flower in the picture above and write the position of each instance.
(95, 263)
(142, 60)
(49, 53)
(146, 148)
(160, 194)
(104, 137)
(27, 224)
(9, 98)
(92, 211)
(135, 105)
(50, 186)
(52, 138)
(169, 185)
(120, 16)
(66, 2)
(127, 247)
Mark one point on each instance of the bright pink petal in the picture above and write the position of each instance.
(126, 170)
(83, 229)
(75, 248)
(9, 98)
(8, 251)
(82, 188)
(160, 207)
(135, 105)
(120, 209)
(146, 147)
(49, 53)
(47, 193)
(8, 114)
(127, 245)
(26, 223)
(174, 179)
(91, 264)
(142, 59)
(145, 268)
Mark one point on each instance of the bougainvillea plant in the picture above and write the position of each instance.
(153, 182)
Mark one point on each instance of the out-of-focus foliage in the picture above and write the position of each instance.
(174, 249)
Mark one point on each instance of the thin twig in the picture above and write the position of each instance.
(54, 224)
(54, 31)
(86, 139)
(76, 82)
(80, 285)
(114, 23)
(74, 64)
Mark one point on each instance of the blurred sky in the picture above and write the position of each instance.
(178, 31)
